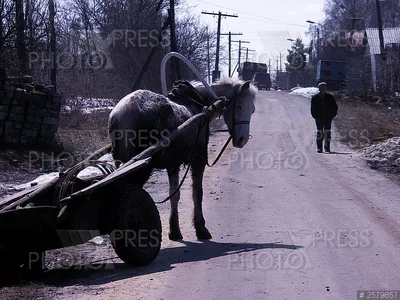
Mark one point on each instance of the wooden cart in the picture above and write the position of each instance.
(68, 210)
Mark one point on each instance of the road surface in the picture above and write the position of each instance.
(287, 223)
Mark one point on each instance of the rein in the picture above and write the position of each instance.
(220, 154)
(183, 88)
(179, 90)
(187, 168)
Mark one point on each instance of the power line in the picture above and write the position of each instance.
(253, 15)
(273, 21)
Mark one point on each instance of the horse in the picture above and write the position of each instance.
(142, 117)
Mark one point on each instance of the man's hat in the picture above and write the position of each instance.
(321, 83)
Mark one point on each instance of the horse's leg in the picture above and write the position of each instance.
(202, 232)
(174, 230)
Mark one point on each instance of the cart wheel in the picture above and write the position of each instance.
(137, 235)
(22, 265)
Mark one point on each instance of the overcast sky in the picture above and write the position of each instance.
(266, 24)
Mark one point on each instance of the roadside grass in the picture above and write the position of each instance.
(78, 136)
(362, 124)
(82, 134)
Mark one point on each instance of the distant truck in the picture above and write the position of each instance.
(257, 72)
(332, 72)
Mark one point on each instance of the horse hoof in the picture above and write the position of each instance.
(175, 236)
(203, 234)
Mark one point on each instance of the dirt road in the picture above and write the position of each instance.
(287, 223)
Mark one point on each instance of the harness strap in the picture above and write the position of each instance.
(187, 168)
(242, 122)
(179, 90)
(220, 154)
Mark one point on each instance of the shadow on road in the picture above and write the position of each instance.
(340, 153)
(98, 274)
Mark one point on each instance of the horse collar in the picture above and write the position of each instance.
(184, 89)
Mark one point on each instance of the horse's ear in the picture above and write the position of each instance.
(245, 86)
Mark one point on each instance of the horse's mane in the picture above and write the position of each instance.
(220, 85)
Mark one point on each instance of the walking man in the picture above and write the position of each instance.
(323, 109)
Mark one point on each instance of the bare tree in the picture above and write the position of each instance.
(20, 36)
(96, 47)
(192, 42)
(6, 30)
(53, 45)
(110, 40)
(389, 79)
(343, 16)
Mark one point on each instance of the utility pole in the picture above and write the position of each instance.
(208, 57)
(220, 15)
(240, 55)
(167, 23)
(53, 44)
(280, 61)
(353, 22)
(247, 52)
(230, 48)
(240, 51)
(20, 36)
(318, 42)
(353, 26)
(175, 72)
(380, 29)
(150, 57)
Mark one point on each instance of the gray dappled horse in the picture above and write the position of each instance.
(142, 117)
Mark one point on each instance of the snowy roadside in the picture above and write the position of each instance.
(88, 105)
(384, 155)
(305, 92)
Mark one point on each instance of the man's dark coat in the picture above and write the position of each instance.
(323, 108)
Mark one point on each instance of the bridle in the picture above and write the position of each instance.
(183, 88)
(234, 121)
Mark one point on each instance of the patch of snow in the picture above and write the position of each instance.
(295, 88)
(98, 240)
(305, 92)
(66, 109)
(88, 105)
(89, 110)
(5, 188)
(42, 179)
(386, 153)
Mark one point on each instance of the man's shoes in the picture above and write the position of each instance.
(327, 150)
(319, 150)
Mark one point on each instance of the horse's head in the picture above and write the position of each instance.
(238, 113)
